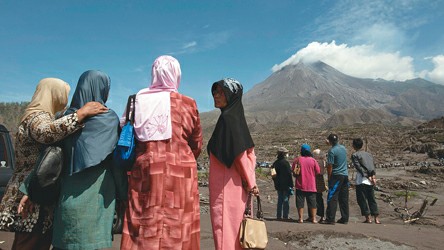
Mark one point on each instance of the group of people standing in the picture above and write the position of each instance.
(160, 192)
(309, 168)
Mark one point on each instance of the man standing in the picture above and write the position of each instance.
(337, 181)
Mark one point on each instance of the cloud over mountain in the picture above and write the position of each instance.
(437, 74)
(365, 61)
(316, 94)
(358, 61)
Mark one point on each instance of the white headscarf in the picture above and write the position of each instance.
(153, 104)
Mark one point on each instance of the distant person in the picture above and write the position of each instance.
(88, 186)
(305, 183)
(163, 206)
(338, 183)
(232, 165)
(365, 182)
(283, 183)
(320, 184)
(38, 128)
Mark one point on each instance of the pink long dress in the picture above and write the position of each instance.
(163, 208)
(228, 197)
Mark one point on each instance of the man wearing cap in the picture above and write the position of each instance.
(283, 183)
(337, 181)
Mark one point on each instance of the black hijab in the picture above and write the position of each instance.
(231, 135)
(91, 145)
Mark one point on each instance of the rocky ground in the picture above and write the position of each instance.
(409, 160)
(409, 170)
(393, 233)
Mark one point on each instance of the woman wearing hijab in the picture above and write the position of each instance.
(163, 206)
(38, 127)
(232, 164)
(84, 214)
(305, 183)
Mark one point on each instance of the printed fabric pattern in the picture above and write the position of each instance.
(30, 141)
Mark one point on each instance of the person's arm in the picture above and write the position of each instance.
(90, 109)
(357, 164)
(44, 129)
(245, 164)
(290, 179)
(278, 168)
(329, 170)
(195, 140)
(330, 161)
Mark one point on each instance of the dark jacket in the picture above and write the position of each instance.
(283, 179)
(363, 162)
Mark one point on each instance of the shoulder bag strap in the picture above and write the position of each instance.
(130, 108)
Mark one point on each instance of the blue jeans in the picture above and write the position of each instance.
(283, 201)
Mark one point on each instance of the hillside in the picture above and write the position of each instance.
(317, 95)
(10, 114)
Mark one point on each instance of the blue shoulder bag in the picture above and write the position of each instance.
(125, 152)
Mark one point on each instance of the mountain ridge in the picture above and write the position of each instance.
(318, 95)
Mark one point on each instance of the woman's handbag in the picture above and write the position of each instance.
(253, 232)
(43, 183)
(125, 152)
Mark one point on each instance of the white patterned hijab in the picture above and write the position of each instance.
(153, 104)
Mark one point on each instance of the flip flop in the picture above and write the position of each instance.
(368, 221)
(377, 222)
(300, 221)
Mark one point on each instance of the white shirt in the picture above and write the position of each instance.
(362, 180)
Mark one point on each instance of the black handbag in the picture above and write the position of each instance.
(43, 183)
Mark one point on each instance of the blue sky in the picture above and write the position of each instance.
(246, 40)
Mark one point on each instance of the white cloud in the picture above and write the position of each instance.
(215, 39)
(361, 61)
(437, 74)
(140, 68)
(383, 36)
(190, 45)
(207, 41)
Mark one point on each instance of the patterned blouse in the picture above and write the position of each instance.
(37, 130)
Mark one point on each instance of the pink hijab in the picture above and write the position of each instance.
(153, 104)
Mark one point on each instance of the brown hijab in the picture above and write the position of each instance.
(51, 95)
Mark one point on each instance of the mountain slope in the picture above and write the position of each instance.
(317, 95)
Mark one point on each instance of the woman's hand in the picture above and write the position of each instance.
(255, 191)
(25, 206)
(90, 109)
